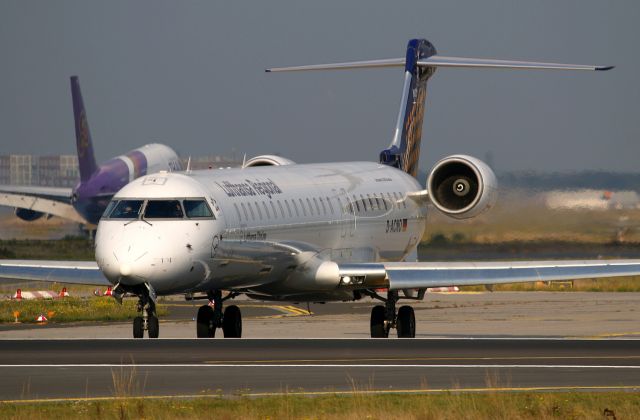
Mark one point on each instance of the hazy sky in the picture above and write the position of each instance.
(190, 74)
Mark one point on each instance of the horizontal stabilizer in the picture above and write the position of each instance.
(391, 62)
(442, 61)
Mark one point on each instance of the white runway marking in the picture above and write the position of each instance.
(368, 366)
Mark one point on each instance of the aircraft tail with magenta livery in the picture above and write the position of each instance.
(86, 158)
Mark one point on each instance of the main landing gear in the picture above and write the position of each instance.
(384, 317)
(211, 317)
(148, 321)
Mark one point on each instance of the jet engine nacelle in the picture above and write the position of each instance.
(28, 215)
(462, 186)
(267, 160)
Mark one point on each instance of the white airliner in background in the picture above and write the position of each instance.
(276, 230)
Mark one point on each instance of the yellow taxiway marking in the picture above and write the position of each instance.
(351, 392)
(289, 310)
(423, 359)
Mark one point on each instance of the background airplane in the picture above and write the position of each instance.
(276, 230)
(86, 202)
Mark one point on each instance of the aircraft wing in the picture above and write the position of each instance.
(419, 275)
(48, 200)
(77, 272)
(51, 193)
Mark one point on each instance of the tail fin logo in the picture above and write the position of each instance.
(404, 151)
(83, 131)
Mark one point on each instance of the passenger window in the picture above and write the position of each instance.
(304, 211)
(266, 210)
(109, 208)
(315, 202)
(198, 209)
(364, 203)
(163, 209)
(371, 204)
(281, 209)
(244, 210)
(235, 205)
(273, 208)
(310, 208)
(384, 201)
(330, 205)
(286, 202)
(253, 215)
(340, 206)
(295, 207)
(258, 209)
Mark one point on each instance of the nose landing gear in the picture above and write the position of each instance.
(384, 317)
(148, 321)
(211, 317)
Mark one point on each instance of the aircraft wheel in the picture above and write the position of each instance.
(138, 327)
(378, 329)
(232, 322)
(406, 322)
(153, 326)
(204, 323)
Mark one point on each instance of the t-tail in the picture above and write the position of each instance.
(86, 158)
(420, 64)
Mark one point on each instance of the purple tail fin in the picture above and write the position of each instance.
(86, 158)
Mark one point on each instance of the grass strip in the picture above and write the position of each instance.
(71, 310)
(492, 405)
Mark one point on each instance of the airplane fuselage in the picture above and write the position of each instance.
(269, 225)
(91, 197)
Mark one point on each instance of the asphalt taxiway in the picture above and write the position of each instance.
(70, 369)
(500, 314)
(503, 340)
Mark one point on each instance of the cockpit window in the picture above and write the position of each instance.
(163, 209)
(126, 209)
(197, 208)
(109, 208)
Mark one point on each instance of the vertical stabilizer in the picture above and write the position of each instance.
(404, 151)
(419, 65)
(86, 158)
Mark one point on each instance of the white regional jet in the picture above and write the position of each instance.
(276, 230)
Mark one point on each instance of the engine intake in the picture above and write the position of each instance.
(267, 160)
(28, 215)
(462, 186)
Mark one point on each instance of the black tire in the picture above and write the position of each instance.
(378, 329)
(232, 322)
(204, 323)
(153, 327)
(138, 327)
(406, 323)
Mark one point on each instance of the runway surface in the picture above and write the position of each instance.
(50, 369)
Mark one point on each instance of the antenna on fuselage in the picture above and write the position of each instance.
(189, 165)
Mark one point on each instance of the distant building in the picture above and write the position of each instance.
(62, 170)
(58, 171)
(23, 170)
(50, 171)
(586, 199)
